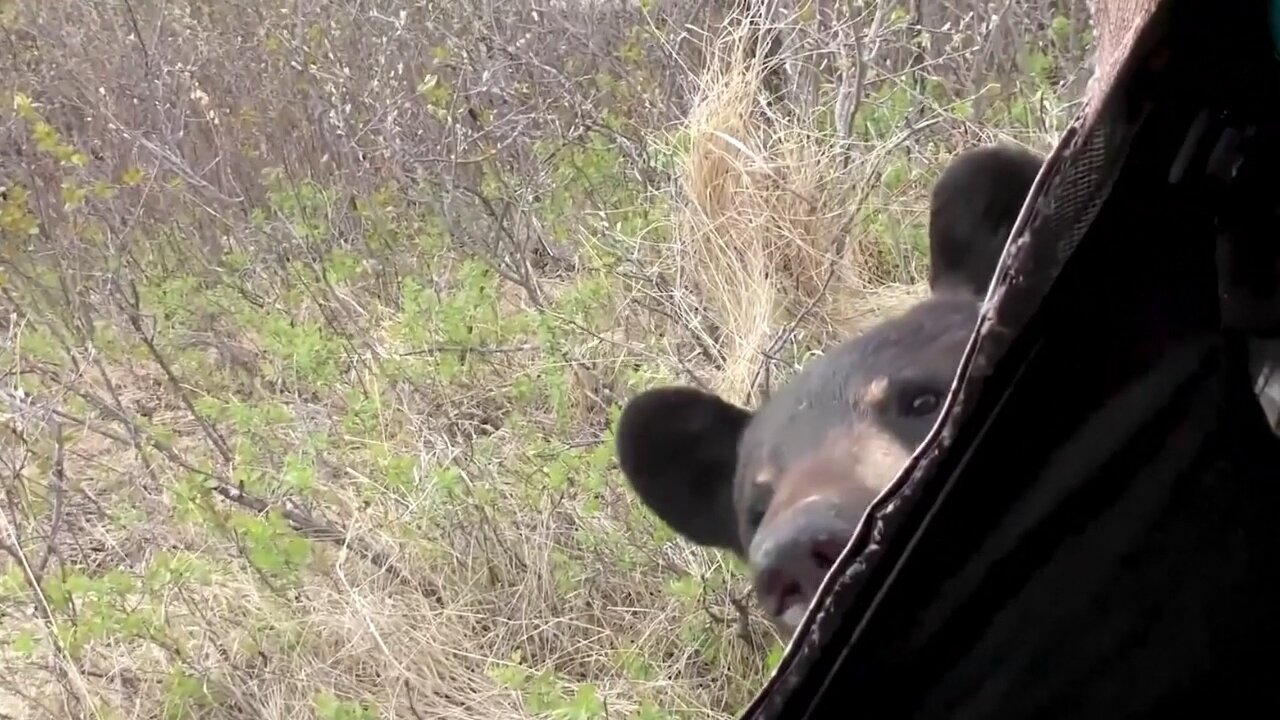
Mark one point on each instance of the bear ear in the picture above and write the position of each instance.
(678, 449)
(973, 207)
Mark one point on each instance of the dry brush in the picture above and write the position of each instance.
(316, 317)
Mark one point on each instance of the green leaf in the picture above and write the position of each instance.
(26, 643)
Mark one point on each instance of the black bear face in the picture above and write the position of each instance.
(785, 486)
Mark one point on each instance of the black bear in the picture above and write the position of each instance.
(972, 210)
(785, 486)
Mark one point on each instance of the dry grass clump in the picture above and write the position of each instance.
(766, 218)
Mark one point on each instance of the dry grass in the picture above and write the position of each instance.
(315, 322)
(765, 226)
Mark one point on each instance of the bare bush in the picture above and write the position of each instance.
(316, 317)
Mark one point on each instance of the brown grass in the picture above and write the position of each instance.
(766, 222)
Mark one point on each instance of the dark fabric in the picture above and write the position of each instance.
(1093, 530)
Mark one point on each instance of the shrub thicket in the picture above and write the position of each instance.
(317, 314)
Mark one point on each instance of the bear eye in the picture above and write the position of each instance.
(919, 402)
(756, 508)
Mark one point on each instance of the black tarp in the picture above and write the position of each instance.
(1093, 528)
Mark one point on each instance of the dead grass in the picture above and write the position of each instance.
(349, 631)
(766, 221)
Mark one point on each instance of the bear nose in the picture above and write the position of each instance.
(791, 558)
